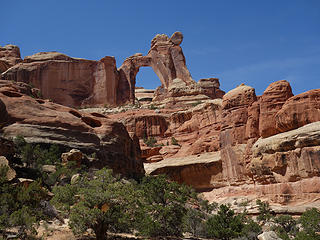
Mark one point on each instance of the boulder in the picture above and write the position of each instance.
(49, 168)
(154, 158)
(74, 155)
(11, 173)
(271, 235)
(271, 102)
(9, 56)
(176, 38)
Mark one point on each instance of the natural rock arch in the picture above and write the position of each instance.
(166, 59)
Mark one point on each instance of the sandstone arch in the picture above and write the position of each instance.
(166, 59)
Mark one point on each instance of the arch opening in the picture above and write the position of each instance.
(146, 83)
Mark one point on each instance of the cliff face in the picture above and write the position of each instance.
(266, 146)
(235, 144)
(70, 81)
(41, 121)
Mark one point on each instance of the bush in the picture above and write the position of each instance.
(225, 224)
(285, 227)
(36, 156)
(174, 141)
(150, 142)
(264, 211)
(162, 207)
(101, 202)
(20, 205)
(152, 107)
(310, 222)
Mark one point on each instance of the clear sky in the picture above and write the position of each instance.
(255, 42)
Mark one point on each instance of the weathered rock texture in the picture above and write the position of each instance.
(168, 62)
(78, 82)
(299, 110)
(70, 81)
(245, 131)
(41, 121)
(270, 103)
(201, 172)
(9, 56)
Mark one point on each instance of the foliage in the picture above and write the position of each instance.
(194, 222)
(150, 142)
(251, 229)
(310, 222)
(20, 205)
(225, 224)
(162, 207)
(264, 211)
(196, 103)
(101, 202)
(34, 155)
(152, 107)
(174, 141)
(195, 219)
(285, 226)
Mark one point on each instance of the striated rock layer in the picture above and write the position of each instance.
(268, 146)
(9, 56)
(70, 81)
(78, 82)
(41, 121)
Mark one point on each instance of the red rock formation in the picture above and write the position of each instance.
(271, 102)
(211, 87)
(70, 81)
(299, 110)
(9, 56)
(165, 57)
(41, 121)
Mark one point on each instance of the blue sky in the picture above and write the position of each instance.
(255, 42)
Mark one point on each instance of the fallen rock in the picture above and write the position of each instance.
(49, 168)
(147, 152)
(9, 56)
(73, 155)
(11, 173)
(271, 235)
(75, 178)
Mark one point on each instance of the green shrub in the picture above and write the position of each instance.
(264, 211)
(285, 226)
(20, 205)
(152, 107)
(101, 202)
(310, 222)
(225, 224)
(150, 142)
(174, 141)
(161, 207)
